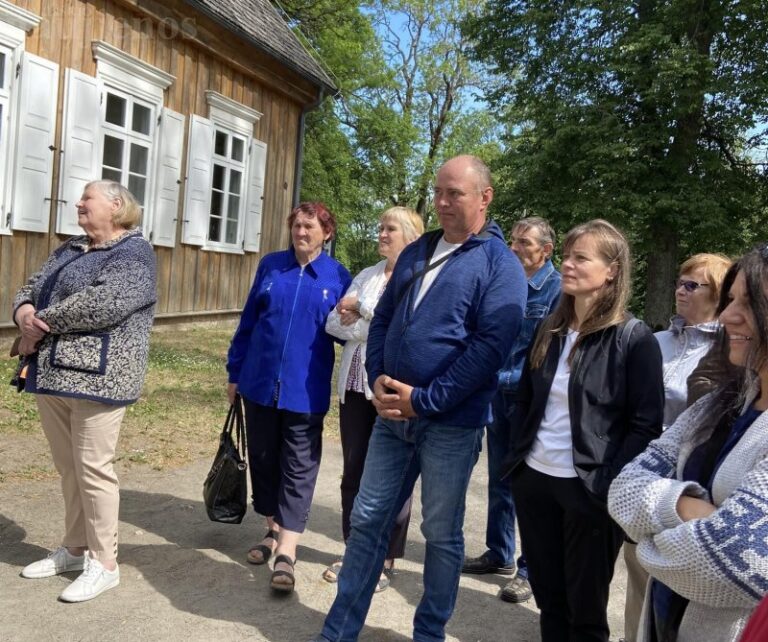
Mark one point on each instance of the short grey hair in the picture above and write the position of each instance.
(546, 233)
(128, 215)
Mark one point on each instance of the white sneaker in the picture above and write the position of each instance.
(92, 582)
(59, 561)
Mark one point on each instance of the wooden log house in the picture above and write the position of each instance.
(196, 105)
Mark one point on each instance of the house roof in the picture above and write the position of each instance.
(258, 22)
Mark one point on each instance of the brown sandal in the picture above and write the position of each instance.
(285, 587)
(263, 549)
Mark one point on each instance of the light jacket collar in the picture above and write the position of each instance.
(541, 275)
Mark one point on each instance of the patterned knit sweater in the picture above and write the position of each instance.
(719, 563)
(99, 305)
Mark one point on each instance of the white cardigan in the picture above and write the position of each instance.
(368, 286)
(720, 563)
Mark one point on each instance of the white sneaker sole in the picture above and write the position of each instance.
(36, 575)
(84, 598)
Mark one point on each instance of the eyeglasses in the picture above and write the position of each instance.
(690, 286)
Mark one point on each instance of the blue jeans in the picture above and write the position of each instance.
(500, 527)
(400, 451)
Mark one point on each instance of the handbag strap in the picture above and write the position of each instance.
(234, 422)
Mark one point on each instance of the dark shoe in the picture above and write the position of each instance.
(518, 590)
(285, 587)
(482, 565)
(264, 551)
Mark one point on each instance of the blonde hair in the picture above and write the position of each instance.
(409, 220)
(610, 306)
(128, 214)
(714, 265)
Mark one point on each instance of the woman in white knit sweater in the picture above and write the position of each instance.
(349, 321)
(696, 500)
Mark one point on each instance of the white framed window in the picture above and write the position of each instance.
(115, 127)
(227, 187)
(225, 178)
(129, 131)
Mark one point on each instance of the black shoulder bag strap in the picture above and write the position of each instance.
(432, 241)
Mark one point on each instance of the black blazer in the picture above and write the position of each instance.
(615, 398)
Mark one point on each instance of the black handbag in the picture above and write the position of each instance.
(225, 489)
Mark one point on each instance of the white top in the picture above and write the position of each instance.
(443, 248)
(552, 452)
(368, 286)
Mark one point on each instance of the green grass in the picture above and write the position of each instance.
(177, 420)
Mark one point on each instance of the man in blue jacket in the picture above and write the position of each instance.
(442, 329)
(533, 241)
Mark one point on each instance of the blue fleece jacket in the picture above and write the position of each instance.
(281, 355)
(450, 347)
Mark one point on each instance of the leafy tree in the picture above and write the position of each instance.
(649, 113)
(404, 99)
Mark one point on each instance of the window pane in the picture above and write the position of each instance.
(214, 229)
(116, 110)
(220, 147)
(238, 146)
(218, 177)
(3, 61)
(113, 152)
(235, 180)
(137, 185)
(112, 174)
(139, 159)
(141, 118)
(231, 231)
(233, 207)
(216, 199)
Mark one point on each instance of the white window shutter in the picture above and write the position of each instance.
(33, 157)
(253, 211)
(81, 145)
(197, 202)
(166, 207)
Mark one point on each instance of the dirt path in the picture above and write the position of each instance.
(184, 578)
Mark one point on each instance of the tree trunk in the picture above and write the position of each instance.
(661, 272)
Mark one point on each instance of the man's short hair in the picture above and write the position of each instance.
(546, 233)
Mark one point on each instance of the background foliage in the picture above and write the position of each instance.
(651, 114)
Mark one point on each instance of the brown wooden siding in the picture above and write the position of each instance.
(189, 279)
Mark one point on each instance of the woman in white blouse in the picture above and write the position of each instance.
(349, 321)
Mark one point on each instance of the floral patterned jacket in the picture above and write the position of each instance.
(99, 303)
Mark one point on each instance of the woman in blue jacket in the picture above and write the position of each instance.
(280, 362)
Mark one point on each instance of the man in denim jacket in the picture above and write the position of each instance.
(532, 240)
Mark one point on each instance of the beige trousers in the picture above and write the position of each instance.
(637, 581)
(83, 437)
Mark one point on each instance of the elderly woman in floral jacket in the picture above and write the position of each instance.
(85, 319)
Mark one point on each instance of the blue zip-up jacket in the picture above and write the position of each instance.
(280, 355)
(452, 345)
(543, 295)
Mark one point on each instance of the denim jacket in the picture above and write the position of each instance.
(543, 295)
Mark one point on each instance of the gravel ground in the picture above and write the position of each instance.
(185, 578)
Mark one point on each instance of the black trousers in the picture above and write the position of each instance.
(356, 417)
(571, 545)
(284, 450)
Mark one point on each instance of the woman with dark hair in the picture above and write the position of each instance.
(280, 362)
(695, 500)
(590, 398)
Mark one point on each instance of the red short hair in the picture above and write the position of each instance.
(315, 210)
